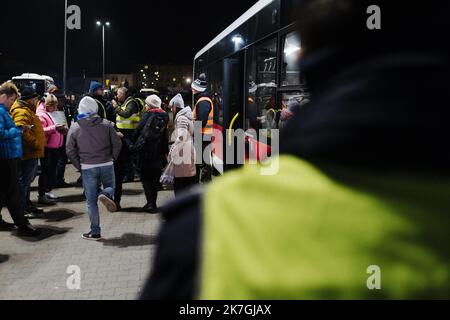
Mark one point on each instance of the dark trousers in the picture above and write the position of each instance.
(150, 180)
(27, 174)
(62, 164)
(183, 184)
(47, 179)
(9, 191)
(119, 171)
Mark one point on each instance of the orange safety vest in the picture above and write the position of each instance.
(208, 130)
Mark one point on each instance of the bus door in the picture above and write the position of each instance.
(233, 85)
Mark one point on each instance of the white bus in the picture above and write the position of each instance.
(253, 73)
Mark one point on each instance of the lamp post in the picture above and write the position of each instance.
(65, 48)
(101, 24)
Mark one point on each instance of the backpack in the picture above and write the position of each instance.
(152, 134)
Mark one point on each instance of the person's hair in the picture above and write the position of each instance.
(123, 90)
(9, 89)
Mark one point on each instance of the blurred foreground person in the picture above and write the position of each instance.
(92, 147)
(363, 181)
(10, 155)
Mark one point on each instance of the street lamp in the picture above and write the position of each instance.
(101, 24)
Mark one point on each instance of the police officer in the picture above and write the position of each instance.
(204, 112)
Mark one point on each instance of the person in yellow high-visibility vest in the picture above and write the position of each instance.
(204, 112)
(128, 117)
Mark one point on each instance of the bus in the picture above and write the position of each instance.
(39, 82)
(254, 77)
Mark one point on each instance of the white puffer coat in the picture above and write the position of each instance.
(182, 154)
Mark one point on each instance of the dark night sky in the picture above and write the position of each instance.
(154, 32)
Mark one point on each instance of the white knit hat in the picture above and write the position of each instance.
(177, 101)
(154, 101)
(88, 105)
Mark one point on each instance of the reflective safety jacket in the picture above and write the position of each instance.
(208, 129)
(325, 234)
(132, 122)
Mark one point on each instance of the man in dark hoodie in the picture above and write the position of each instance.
(92, 147)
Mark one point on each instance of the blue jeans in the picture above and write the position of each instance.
(27, 174)
(92, 178)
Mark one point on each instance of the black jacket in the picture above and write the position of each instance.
(154, 154)
(203, 109)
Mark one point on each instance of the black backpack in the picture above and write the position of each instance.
(152, 134)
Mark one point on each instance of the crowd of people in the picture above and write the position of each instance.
(109, 139)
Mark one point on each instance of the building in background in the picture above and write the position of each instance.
(120, 80)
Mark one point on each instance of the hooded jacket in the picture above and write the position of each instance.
(183, 153)
(33, 140)
(10, 137)
(54, 139)
(92, 141)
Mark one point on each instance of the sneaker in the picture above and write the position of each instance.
(5, 226)
(108, 203)
(46, 201)
(29, 231)
(92, 237)
(51, 196)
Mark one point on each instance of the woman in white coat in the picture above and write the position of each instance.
(182, 155)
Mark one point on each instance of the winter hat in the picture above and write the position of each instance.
(95, 86)
(200, 84)
(177, 101)
(154, 101)
(28, 93)
(51, 100)
(88, 106)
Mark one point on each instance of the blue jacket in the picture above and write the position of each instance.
(10, 137)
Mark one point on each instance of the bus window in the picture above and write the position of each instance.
(290, 75)
(261, 108)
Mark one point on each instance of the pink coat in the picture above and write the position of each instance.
(55, 140)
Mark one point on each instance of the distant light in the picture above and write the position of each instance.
(108, 24)
(146, 67)
(188, 80)
(99, 23)
(142, 70)
(237, 39)
(174, 79)
(291, 49)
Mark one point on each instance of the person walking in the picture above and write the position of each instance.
(182, 154)
(10, 154)
(92, 147)
(23, 113)
(151, 144)
(54, 134)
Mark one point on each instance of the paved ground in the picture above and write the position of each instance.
(113, 269)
